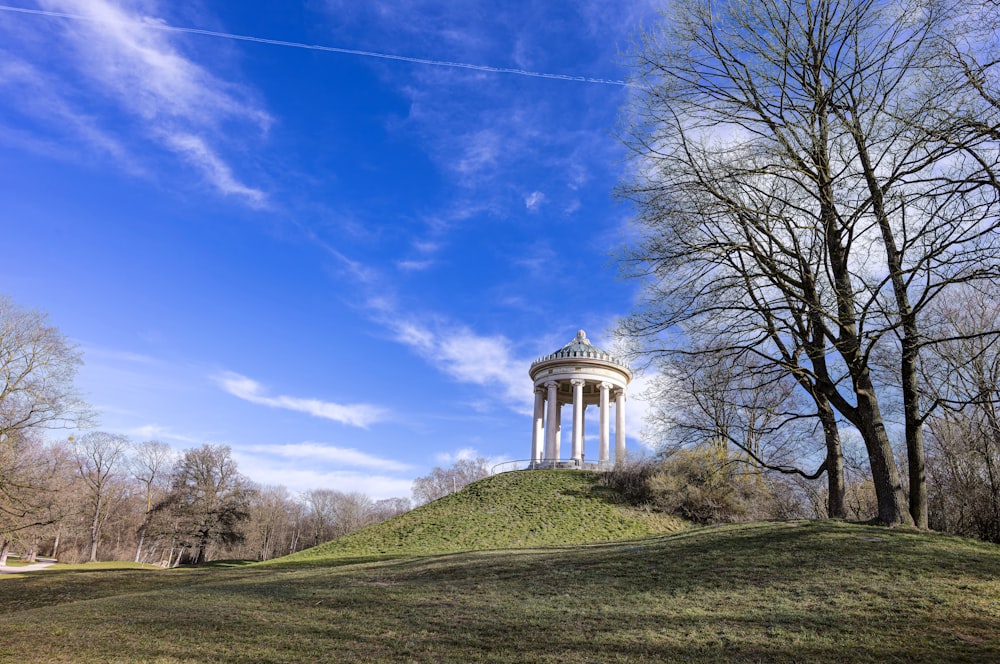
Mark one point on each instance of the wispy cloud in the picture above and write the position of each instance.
(321, 452)
(158, 432)
(358, 415)
(215, 170)
(470, 358)
(534, 200)
(376, 485)
(119, 56)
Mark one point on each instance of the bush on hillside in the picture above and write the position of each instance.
(704, 486)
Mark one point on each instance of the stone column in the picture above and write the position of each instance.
(538, 426)
(577, 419)
(558, 431)
(620, 426)
(551, 424)
(605, 447)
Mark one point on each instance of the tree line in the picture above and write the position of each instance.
(104, 497)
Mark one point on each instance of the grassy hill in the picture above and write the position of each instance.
(759, 592)
(511, 510)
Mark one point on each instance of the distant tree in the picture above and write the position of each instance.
(150, 464)
(352, 511)
(963, 373)
(100, 458)
(388, 508)
(442, 481)
(37, 368)
(321, 514)
(330, 513)
(208, 501)
(32, 480)
(272, 518)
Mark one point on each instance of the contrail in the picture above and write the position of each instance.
(318, 47)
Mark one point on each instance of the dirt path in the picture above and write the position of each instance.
(23, 568)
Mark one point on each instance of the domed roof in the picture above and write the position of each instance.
(581, 348)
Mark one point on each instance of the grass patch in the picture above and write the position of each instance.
(768, 592)
(510, 510)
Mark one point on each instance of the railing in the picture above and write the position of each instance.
(582, 354)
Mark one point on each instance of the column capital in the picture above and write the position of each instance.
(551, 383)
(605, 385)
(578, 382)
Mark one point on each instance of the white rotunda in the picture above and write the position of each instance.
(581, 374)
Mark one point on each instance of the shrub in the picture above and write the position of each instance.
(703, 485)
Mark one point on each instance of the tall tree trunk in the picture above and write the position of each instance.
(4, 550)
(910, 341)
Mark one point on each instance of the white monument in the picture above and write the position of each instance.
(581, 374)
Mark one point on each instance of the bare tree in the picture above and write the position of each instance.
(352, 511)
(37, 368)
(271, 521)
(100, 459)
(964, 450)
(150, 464)
(389, 508)
(802, 204)
(322, 514)
(208, 501)
(32, 480)
(442, 481)
(752, 407)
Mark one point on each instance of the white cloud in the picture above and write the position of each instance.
(158, 432)
(414, 266)
(468, 357)
(464, 454)
(358, 415)
(177, 103)
(263, 470)
(534, 200)
(320, 452)
(212, 167)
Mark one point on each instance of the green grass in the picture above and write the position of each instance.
(761, 592)
(511, 510)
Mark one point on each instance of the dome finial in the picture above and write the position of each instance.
(581, 336)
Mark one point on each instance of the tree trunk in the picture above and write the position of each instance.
(138, 547)
(910, 340)
(836, 507)
(95, 528)
(4, 550)
(889, 493)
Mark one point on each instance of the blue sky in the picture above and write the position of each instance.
(340, 265)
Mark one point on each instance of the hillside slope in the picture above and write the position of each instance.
(512, 510)
(757, 592)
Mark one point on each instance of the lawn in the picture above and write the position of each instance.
(784, 592)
